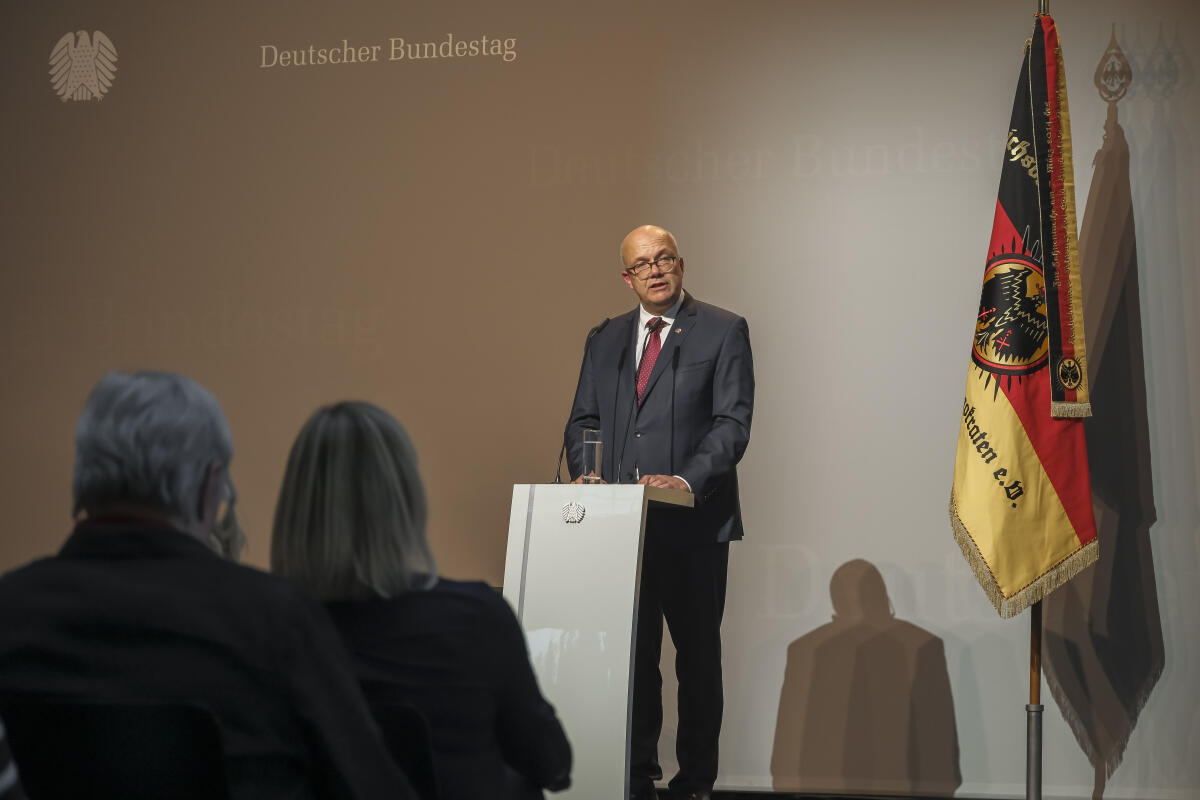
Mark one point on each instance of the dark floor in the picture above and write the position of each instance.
(767, 795)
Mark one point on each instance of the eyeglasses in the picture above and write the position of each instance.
(665, 264)
(227, 536)
(228, 498)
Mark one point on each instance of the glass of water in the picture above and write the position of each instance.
(593, 452)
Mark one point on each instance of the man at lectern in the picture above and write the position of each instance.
(670, 385)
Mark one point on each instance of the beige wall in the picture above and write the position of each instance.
(437, 236)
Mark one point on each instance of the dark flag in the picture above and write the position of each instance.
(1104, 643)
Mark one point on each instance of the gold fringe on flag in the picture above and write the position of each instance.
(1063, 213)
(1070, 410)
(1046, 583)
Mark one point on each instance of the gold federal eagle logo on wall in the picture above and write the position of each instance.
(83, 67)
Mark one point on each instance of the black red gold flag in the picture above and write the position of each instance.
(1021, 505)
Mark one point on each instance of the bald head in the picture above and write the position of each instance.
(643, 234)
(653, 268)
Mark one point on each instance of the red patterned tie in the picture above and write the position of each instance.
(653, 345)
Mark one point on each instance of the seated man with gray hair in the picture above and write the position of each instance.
(137, 607)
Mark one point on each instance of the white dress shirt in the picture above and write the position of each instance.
(639, 340)
(644, 317)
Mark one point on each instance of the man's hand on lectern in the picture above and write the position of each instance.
(665, 482)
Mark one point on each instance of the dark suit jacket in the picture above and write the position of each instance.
(10, 782)
(694, 420)
(131, 610)
(456, 653)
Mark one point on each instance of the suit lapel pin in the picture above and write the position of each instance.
(679, 330)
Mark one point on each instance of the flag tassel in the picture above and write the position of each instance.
(1061, 410)
(1056, 576)
(970, 551)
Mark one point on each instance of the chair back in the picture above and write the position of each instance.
(408, 738)
(75, 749)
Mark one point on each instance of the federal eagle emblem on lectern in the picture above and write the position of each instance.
(83, 67)
(573, 512)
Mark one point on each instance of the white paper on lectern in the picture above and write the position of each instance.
(574, 588)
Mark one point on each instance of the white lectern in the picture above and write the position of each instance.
(571, 574)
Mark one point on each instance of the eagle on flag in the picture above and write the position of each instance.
(1021, 503)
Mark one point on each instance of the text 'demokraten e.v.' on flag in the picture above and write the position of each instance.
(1021, 505)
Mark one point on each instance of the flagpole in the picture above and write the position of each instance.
(1043, 7)
(1033, 711)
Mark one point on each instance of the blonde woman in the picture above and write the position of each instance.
(350, 528)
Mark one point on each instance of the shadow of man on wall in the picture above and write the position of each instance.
(865, 705)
